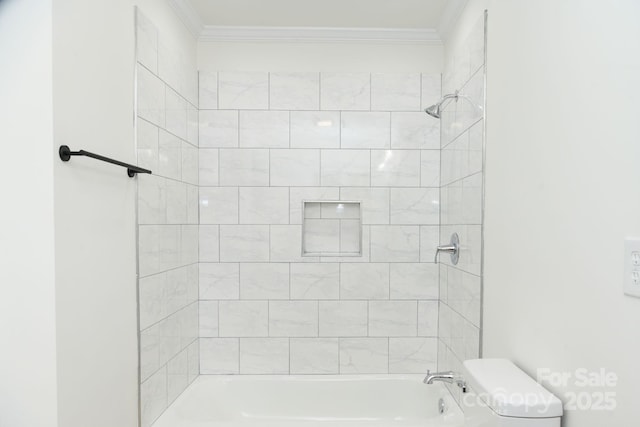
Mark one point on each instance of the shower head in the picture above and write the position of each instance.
(436, 109)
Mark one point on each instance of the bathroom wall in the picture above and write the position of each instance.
(562, 194)
(461, 201)
(269, 141)
(94, 214)
(28, 390)
(167, 143)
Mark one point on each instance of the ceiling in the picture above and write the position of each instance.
(420, 14)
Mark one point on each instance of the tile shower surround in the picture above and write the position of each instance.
(267, 142)
(461, 204)
(167, 141)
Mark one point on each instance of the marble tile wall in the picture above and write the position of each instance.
(167, 143)
(461, 199)
(267, 142)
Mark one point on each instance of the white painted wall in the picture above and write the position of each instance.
(93, 94)
(336, 57)
(27, 287)
(563, 145)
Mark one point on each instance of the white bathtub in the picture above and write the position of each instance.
(312, 401)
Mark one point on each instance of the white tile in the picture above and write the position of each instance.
(365, 130)
(429, 238)
(264, 356)
(343, 318)
(175, 194)
(298, 195)
(293, 318)
(175, 113)
(430, 168)
(395, 168)
(150, 97)
(150, 351)
(374, 203)
(153, 397)
(314, 355)
(345, 168)
(364, 355)
(351, 239)
(209, 243)
(218, 205)
(415, 206)
(192, 204)
(177, 375)
(208, 312)
(264, 205)
(395, 92)
(464, 293)
(414, 281)
(189, 155)
(412, 355)
(286, 244)
(321, 236)
(146, 42)
(244, 243)
(193, 353)
(345, 91)
(243, 318)
(188, 244)
(315, 129)
(218, 128)
(193, 125)
(393, 318)
(152, 299)
(219, 356)
(244, 167)
(158, 248)
(169, 156)
(315, 281)
(400, 243)
(208, 167)
(264, 129)
(147, 142)
(295, 167)
(177, 293)
(294, 91)
(208, 97)
(264, 281)
(364, 281)
(431, 89)
(152, 200)
(243, 90)
(415, 130)
(428, 318)
(219, 281)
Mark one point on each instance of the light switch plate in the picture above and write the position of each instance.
(631, 267)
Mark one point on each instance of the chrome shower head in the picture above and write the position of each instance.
(436, 109)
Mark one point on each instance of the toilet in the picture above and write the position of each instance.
(499, 394)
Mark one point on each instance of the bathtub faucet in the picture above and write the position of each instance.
(447, 377)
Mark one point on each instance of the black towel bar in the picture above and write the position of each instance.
(66, 153)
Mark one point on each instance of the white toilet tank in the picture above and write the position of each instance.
(499, 394)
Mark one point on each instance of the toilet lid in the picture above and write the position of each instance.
(508, 391)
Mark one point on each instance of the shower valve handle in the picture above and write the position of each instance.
(453, 249)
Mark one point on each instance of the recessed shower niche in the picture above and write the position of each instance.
(331, 228)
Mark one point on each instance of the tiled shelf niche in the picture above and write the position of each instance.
(331, 228)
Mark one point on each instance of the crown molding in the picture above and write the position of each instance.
(213, 33)
(188, 15)
(450, 17)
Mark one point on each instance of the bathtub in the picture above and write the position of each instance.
(312, 401)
